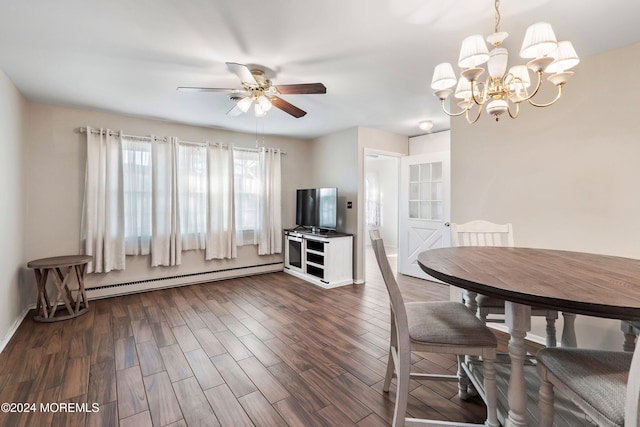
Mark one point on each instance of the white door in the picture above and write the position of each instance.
(424, 208)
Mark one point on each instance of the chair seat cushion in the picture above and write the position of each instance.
(598, 377)
(447, 323)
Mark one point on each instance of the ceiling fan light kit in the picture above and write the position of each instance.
(502, 91)
(258, 91)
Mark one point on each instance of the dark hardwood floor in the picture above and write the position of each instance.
(268, 350)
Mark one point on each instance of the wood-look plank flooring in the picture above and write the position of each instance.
(268, 350)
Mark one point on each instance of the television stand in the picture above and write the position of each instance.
(325, 260)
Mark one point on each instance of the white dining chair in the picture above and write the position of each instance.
(484, 233)
(445, 327)
(604, 384)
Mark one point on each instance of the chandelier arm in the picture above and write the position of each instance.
(477, 116)
(535, 91)
(514, 116)
(452, 114)
(558, 95)
(474, 85)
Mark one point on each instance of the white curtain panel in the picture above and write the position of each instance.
(270, 231)
(166, 236)
(102, 229)
(221, 233)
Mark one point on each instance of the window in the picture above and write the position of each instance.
(247, 191)
(192, 195)
(136, 160)
(189, 189)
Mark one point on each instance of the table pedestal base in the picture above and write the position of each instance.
(64, 306)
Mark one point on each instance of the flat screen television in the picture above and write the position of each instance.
(317, 208)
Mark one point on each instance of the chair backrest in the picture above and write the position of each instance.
(482, 233)
(397, 303)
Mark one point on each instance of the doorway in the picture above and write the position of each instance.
(381, 179)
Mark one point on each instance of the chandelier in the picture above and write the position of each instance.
(503, 91)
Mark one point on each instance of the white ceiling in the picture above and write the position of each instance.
(374, 56)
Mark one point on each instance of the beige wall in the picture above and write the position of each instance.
(566, 176)
(55, 181)
(430, 143)
(333, 163)
(12, 261)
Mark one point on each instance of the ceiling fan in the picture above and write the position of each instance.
(257, 90)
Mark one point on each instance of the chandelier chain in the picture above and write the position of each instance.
(497, 16)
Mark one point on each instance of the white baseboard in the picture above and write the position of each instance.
(162, 283)
(14, 327)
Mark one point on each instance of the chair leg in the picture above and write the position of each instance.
(545, 400)
(491, 392)
(463, 380)
(393, 343)
(629, 343)
(551, 330)
(402, 391)
(389, 375)
(569, 338)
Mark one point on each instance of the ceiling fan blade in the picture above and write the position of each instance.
(303, 89)
(208, 89)
(287, 107)
(242, 72)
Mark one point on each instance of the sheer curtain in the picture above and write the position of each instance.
(102, 229)
(136, 163)
(166, 240)
(192, 190)
(246, 184)
(221, 233)
(270, 231)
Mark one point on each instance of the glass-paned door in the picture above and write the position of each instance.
(424, 208)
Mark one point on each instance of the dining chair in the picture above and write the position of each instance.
(444, 327)
(604, 384)
(484, 233)
(631, 330)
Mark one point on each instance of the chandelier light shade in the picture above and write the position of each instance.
(504, 88)
(443, 77)
(474, 52)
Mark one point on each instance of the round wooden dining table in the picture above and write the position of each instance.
(575, 282)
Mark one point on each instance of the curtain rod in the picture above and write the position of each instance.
(164, 139)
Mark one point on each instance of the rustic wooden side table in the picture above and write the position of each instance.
(60, 269)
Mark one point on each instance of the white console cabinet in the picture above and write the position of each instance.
(324, 259)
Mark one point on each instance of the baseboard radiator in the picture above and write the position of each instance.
(180, 280)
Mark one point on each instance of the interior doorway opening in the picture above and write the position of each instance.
(381, 179)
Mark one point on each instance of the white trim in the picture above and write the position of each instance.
(12, 330)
